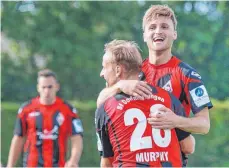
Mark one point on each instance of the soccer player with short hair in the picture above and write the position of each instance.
(125, 139)
(46, 122)
(165, 70)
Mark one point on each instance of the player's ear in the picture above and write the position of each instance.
(57, 87)
(38, 88)
(118, 71)
(175, 35)
(144, 38)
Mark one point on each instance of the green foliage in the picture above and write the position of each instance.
(68, 37)
(211, 149)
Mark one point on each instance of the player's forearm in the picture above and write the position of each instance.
(76, 148)
(15, 150)
(199, 124)
(106, 93)
(105, 162)
(188, 145)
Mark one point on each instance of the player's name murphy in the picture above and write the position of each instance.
(132, 98)
(152, 156)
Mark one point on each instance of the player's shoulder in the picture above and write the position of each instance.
(158, 90)
(188, 70)
(68, 106)
(145, 62)
(114, 100)
(25, 106)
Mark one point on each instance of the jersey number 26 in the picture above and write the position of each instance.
(137, 140)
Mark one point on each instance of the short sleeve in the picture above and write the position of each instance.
(20, 128)
(103, 141)
(197, 92)
(76, 123)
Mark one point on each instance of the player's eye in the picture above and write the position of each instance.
(153, 27)
(164, 26)
(50, 86)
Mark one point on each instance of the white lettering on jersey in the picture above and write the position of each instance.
(193, 73)
(152, 156)
(168, 86)
(34, 114)
(200, 96)
(52, 134)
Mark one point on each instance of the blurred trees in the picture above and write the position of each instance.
(68, 37)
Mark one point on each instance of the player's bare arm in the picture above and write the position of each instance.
(15, 150)
(188, 145)
(199, 124)
(105, 162)
(76, 151)
(135, 88)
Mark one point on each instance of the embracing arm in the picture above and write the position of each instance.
(106, 93)
(135, 88)
(199, 124)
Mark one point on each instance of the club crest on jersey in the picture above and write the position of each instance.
(77, 125)
(168, 86)
(60, 118)
(193, 73)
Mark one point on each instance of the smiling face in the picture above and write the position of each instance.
(159, 33)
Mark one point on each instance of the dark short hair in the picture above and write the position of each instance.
(46, 73)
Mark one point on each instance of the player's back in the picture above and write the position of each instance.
(135, 143)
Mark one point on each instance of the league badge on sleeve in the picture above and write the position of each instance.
(77, 125)
(200, 96)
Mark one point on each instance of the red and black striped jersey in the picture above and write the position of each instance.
(180, 79)
(47, 128)
(124, 133)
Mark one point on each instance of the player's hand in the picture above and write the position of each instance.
(164, 119)
(71, 163)
(136, 88)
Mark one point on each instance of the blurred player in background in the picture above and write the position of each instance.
(46, 122)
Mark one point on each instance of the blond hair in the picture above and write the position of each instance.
(159, 10)
(125, 53)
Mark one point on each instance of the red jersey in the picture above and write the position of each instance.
(124, 133)
(180, 79)
(47, 128)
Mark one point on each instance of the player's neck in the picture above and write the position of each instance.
(159, 57)
(47, 102)
(131, 77)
